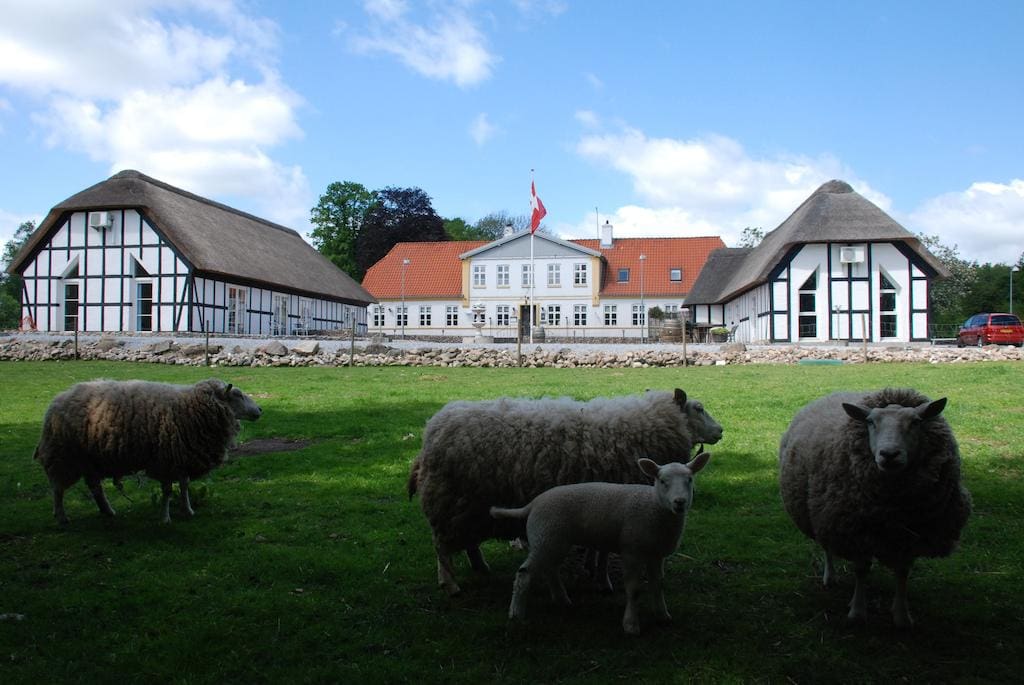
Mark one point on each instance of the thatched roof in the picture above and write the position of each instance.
(834, 213)
(219, 241)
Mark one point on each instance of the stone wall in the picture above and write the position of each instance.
(308, 353)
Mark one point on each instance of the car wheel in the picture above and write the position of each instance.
(981, 341)
(959, 342)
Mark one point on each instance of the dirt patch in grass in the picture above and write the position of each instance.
(251, 448)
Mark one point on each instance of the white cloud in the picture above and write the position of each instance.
(451, 48)
(594, 81)
(551, 7)
(155, 85)
(708, 185)
(481, 129)
(986, 221)
(588, 118)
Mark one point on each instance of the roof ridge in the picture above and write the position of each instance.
(132, 173)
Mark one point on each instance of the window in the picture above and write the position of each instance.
(611, 315)
(579, 315)
(551, 315)
(479, 275)
(451, 315)
(675, 275)
(527, 275)
(807, 321)
(623, 276)
(554, 275)
(502, 277)
(424, 315)
(503, 313)
(378, 315)
(886, 307)
(638, 315)
(671, 311)
(236, 310)
(579, 274)
(402, 315)
(144, 306)
(305, 315)
(71, 302)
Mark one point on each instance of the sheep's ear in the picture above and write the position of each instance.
(929, 410)
(228, 389)
(698, 462)
(649, 467)
(680, 397)
(856, 411)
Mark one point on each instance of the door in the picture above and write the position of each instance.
(237, 298)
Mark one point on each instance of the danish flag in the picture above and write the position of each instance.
(538, 211)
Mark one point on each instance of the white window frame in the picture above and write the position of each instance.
(527, 275)
(401, 315)
(554, 275)
(138, 304)
(611, 315)
(639, 317)
(451, 315)
(237, 304)
(580, 274)
(279, 314)
(551, 315)
(425, 315)
(501, 277)
(479, 276)
(503, 314)
(672, 272)
(579, 315)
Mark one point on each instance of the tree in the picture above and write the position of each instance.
(751, 236)
(10, 284)
(397, 215)
(338, 218)
(458, 229)
(492, 226)
(946, 297)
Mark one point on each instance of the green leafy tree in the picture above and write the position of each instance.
(10, 284)
(751, 236)
(458, 229)
(947, 297)
(338, 218)
(991, 290)
(397, 215)
(492, 226)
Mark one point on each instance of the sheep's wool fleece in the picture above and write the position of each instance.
(836, 495)
(507, 451)
(116, 428)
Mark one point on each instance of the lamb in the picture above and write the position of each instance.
(110, 429)
(642, 522)
(505, 452)
(874, 476)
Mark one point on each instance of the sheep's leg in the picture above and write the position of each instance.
(96, 488)
(165, 503)
(58, 503)
(477, 561)
(631, 568)
(656, 577)
(829, 574)
(446, 570)
(601, 573)
(900, 608)
(557, 588)
(186, 504)
(859, 601)
(520, 591)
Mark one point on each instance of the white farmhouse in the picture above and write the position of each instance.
(839, 268)
(569, 290)
(135, 254)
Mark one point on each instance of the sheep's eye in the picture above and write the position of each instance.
(662, 481)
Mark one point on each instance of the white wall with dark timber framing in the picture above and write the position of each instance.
(128, 277)
(817, 293)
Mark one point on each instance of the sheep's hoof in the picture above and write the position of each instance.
(631, 627)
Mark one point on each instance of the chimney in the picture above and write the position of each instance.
(606, 234)
(509, 230)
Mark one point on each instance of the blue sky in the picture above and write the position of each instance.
(668, 118)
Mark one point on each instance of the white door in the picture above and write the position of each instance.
(237, 298)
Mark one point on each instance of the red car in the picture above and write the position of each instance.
(986, 329)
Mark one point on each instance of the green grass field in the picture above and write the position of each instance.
(312, 565)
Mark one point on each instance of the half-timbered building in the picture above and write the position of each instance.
(135, 254)
(839, 268)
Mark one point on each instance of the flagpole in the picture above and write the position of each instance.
(533, 276)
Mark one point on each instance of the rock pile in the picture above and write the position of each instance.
(309, 353)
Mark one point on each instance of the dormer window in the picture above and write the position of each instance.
(623, 276)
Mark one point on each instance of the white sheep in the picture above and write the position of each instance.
(874, 476)
(507, 451)
(111, 429)
(643, 523)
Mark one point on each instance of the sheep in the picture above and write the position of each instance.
(874, 476)
(110, 429)
(505, 452)
(644, 523)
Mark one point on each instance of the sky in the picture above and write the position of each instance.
(669, 118)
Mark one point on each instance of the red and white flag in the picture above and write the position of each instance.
(538, 212)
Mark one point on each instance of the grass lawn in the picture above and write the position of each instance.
(312, 565)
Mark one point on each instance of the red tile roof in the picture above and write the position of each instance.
(435, 272)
